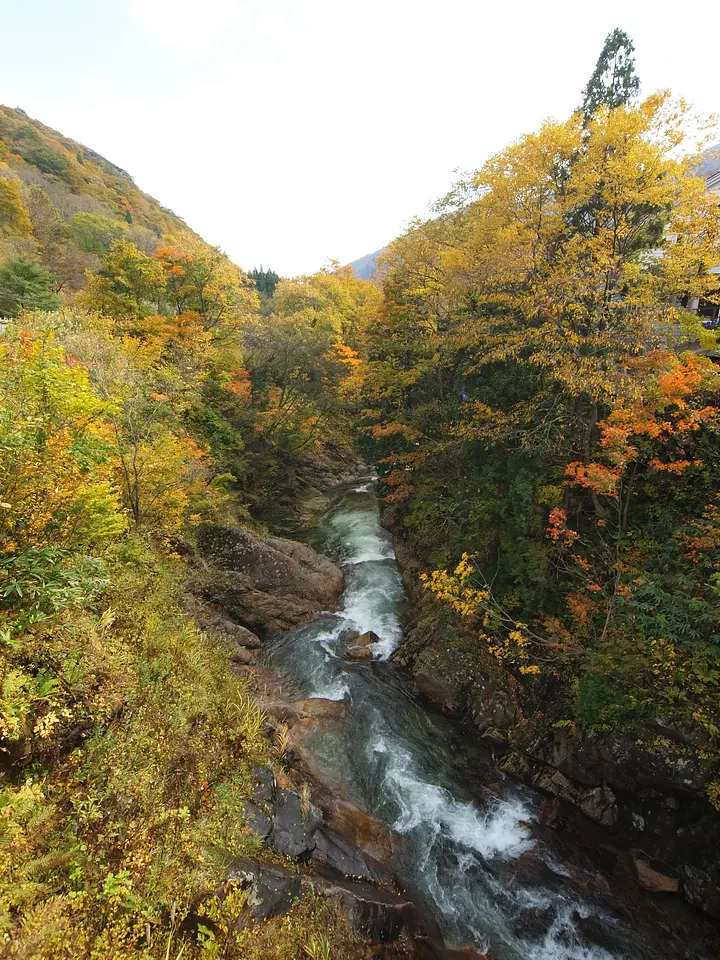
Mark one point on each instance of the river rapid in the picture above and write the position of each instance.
(471, 841)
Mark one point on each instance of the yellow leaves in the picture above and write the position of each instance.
(14, 219)
(510, 646)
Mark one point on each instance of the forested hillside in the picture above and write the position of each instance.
(530, 377)
(143, 394)
(540, 402)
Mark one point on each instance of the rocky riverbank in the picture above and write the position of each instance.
(243, 588)
(648, 787)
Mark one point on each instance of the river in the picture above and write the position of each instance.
(485, 865)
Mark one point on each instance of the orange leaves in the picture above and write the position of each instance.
(593, 476)
(581, 608)
(398, 479)
(346, 354)
(703, 537)
(558, 529)
(401, 493)
(677, 467)
(681, 382)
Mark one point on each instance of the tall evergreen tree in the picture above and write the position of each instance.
(614, 81)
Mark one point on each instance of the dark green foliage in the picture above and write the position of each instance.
(614, 82)
(48, 161)
(26, 286)
(265, 280)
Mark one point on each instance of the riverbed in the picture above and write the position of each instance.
(470, 841)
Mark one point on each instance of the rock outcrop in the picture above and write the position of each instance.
(360, 647)
(265, 585)
(649, 784)
(330, 863)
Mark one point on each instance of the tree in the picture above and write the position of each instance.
(529, 399)
(333, 299)
(265, 280)
(56, 451)
(59, 254)
(129, 286)
(614, 82)
(94, 233)
(13, 215)
(26, 286)
(203, 279)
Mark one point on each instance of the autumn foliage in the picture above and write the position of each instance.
(540, 400)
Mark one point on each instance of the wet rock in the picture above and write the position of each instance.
(267, 584)
(596, 931)
(358, 653)
(378, 914)
(495, 737)
(272, 890)
(654, 875)
(258, 822)
(622, 762)
(431, 686)
(600, 805)
(491, 706)
(293, 828)
(529, 871)
(263, 790)
(464, 953)
(423, 948)
(244, 656)
(347, 858)
(701, 887)
(349, 820)
(320, 707)
(359, 649)
(533, 922)
(517, 765)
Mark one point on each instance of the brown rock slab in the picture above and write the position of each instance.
(265, 583)
(358, 653)
(349, 820)
(654, 875)
(320, 707)
(378, 914)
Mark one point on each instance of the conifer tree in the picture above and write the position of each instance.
(614, 81)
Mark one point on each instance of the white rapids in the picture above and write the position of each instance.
(465, 851)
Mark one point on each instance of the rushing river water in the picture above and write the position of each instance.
(485, 866)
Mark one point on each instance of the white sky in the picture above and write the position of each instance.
(291, 131)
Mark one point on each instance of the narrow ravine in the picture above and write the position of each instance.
(471, 841)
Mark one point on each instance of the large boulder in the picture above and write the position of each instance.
(344, 856)
(293, 827)
(378, 914)
(266, 584)
(361, 646)
(272, 890)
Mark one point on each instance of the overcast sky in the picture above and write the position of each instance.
(293, 131)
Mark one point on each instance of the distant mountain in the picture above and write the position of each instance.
(366, 267)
